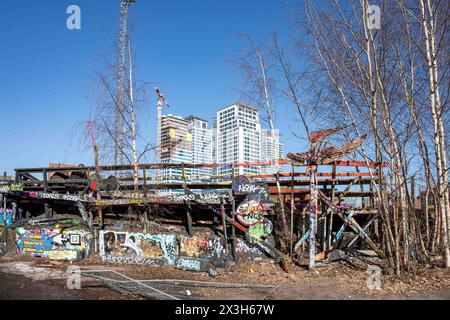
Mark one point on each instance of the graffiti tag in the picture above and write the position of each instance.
(57, 196)
(189, 264)
(201, 196)
(249, 212)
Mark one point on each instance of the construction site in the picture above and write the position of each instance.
(199, 223)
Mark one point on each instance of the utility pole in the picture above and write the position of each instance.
(159, 105)
(133, 124)
(97, 174)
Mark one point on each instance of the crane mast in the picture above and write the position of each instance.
(119, 125)
(159, 106)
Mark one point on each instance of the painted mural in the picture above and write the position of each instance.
(54, 243)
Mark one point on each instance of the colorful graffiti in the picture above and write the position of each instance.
(137, 248)
(260, 230)
(201, 251)
(201, 247)
(16, 187)
(54, 243)
(250, 212)
(7, 216)
(190, 253)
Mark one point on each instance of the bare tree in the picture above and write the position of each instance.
(430, 30)
(386, 83)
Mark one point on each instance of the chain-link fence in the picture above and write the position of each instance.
(173, 289)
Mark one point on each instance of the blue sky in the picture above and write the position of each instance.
(180, 45)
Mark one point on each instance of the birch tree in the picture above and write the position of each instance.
(391, 83)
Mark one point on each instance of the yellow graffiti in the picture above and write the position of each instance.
(194, 246)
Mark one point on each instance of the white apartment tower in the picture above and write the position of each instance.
(201, 146)
(271, 149)
(237, 130)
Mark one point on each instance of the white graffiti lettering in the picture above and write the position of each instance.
(188, 264)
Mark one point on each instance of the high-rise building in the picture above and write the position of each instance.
(214, 141)
(271, 149)
(201, 146)
(237, 130)
(176, 145)
(236, 136)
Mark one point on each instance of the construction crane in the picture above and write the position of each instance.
(119, 125)
(159, 105)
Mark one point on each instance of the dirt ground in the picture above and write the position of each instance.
(335, 281)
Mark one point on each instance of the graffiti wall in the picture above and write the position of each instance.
(190, 253)
(137, 248)
(54, 243)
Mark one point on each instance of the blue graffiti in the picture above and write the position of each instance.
(7, 216)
